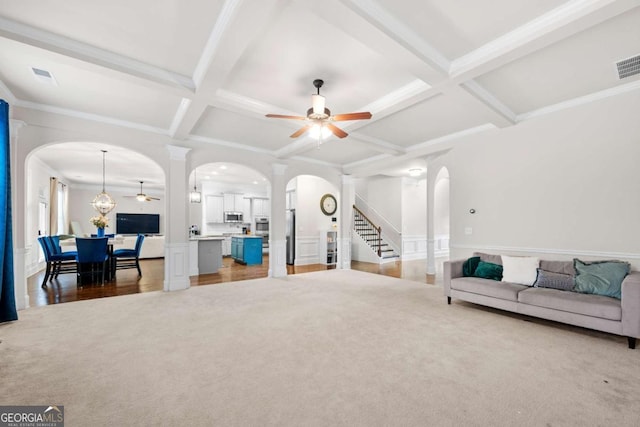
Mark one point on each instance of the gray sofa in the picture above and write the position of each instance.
(612, 315)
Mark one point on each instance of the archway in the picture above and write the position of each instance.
(234, 207)
(77, 167)
(312, 232)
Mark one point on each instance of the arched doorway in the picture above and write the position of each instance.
(312, 229)
(234, 208)
(78, 171)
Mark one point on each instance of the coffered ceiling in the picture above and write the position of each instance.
(205, 72)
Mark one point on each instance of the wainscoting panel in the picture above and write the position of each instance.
(307, 250)
(415, 247)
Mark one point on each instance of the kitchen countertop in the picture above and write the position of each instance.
(206, 238)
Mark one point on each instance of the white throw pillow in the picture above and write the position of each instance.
(519, 269)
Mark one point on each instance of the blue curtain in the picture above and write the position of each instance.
(7, 292)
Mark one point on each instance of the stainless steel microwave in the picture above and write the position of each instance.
(233, 217)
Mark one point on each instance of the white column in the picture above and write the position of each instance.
(18, 207)
(347, 200)
(431, 185)
(277, 223)
(176, 249)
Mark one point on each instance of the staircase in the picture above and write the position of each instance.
(372, 234)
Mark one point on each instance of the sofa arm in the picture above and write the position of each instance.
(451, 270)
(631, 305)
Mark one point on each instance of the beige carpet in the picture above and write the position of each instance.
(334, 348)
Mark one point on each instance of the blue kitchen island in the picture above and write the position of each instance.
(246, 249)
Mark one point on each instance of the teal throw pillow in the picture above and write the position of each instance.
(469, 266)
(600, 277)
(488, 270)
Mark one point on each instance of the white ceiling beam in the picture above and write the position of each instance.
(84, 52)
(218, 59)
(557, 24)
(387, 23)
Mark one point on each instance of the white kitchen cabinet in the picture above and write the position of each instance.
(261, 207)
(214, 209)
(233, 202)
(246, 209)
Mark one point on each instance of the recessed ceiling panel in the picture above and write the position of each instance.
(299, 47)
(433, 118)
(582, 64)
(81, 88)
(169, 34)
(81, 163)
(266, 134)
(458, 27)
(340, 151)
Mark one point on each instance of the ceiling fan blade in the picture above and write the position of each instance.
(280, 116)
(352, 116)
(336, 130)
(300, 131)
(149, 198)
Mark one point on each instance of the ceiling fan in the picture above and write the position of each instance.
(319, 117)
(141, 197)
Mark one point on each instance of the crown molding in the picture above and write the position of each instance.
(229, 144)
(89, 116)
(72, 48)
(557, 24)
(582, 100)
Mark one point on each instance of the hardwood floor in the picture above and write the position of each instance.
(65, 289)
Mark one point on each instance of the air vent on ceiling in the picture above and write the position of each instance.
(628, 67)
(43, 76)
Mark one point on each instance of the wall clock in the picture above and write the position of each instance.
(328, 204)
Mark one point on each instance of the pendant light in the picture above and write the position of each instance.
(103, 202)
(195, 196)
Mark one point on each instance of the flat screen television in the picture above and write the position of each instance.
(133, 223)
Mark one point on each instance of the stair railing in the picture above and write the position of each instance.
(360, 216)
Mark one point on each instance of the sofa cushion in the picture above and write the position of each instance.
(520, 269)
(487, 270)
(600, 277)
(490, 288)
(573, 302)
(493, 259)
(562, 267)
(469, 266)
(549, 279)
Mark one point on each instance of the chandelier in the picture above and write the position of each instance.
(103, 202)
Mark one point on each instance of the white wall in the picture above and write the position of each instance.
(561, 184)
(309, 218)
(80, 208)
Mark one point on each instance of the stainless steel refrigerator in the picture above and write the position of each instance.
(291, 236)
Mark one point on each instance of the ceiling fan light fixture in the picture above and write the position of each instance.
(318, 103)
(141, 197)
(319, 132)
(415, 172)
